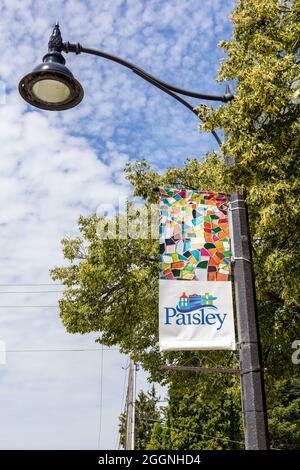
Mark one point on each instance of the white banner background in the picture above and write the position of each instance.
(212, 329)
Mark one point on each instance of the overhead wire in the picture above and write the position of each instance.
(191, 432)
(199, 434)
(33, 292)
(32, 284)
(57, 350)
(28, 306)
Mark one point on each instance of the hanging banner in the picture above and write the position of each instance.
(195, 292)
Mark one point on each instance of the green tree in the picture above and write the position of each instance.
(284, 418)
(158, 440)
(147, 414)
(196, 419)
(111, 286)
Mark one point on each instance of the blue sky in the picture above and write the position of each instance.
(56, 166)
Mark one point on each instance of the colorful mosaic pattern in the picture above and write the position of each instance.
(194, 235)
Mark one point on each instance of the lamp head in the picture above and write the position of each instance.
(51, 85)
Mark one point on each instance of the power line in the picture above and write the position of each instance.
(191, 432)
(197, 434)
(30, 285)
(57, 350)
(33, 292)
(28, 306)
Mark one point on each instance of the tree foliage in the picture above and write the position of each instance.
(147, 414)
(284, 418)
(197, 419)
(112, 285)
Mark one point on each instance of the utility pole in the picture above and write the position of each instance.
(252, 380)
(130, 408)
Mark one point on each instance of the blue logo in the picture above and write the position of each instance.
(195, 309)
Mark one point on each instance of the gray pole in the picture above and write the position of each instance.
(130, 412)
(132, 437)
(252, 380)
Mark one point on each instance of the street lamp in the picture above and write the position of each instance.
(53, 87)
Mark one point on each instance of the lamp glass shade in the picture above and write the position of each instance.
(51, 85)
(51, 91)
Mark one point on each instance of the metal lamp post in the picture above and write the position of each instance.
(51, 86)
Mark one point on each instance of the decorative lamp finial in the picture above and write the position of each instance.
(55, 41)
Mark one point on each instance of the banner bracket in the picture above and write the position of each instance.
(227, 370)
(241, 258)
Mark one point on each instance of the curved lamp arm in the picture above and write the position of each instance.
(166, 87)
(77, 49)
(52, 86)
